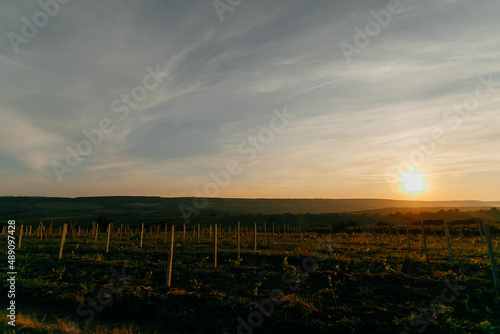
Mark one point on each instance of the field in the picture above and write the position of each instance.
(130, 209)
(324, 278)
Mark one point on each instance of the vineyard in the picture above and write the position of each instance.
(428, 276)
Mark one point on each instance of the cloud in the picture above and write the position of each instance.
(23, 141)
(353, 120)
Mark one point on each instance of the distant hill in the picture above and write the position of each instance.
(37, 207)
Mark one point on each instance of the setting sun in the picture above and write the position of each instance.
(413, 184)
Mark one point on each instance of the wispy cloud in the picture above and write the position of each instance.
(353, 120)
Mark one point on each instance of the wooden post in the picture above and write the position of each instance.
(96, 231)
(397, 233)
(390, 234)
(408, 237)
(171, 257)
(109, 234)
(480, 232)
(265, 231)
(491, 254)
(79, 228)
(434, 229)
(72, 229)
(254, 236)
(63, 238)
(165, 233)
(238, 242)
(142, 233)
(448, 243)
(273, 231)
(20, 237)
(184, 234)
(41, 230)
(198, 232)
(50, 231)
(215, 242)
(425, 244)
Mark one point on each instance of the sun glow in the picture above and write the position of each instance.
(413, 184)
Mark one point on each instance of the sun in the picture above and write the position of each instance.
(413, 184)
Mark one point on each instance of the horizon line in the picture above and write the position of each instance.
(255, 198)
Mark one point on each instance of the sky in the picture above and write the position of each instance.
(250, 99)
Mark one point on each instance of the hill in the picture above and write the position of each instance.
(129, 209)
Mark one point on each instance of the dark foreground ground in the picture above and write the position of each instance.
(354, 282)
